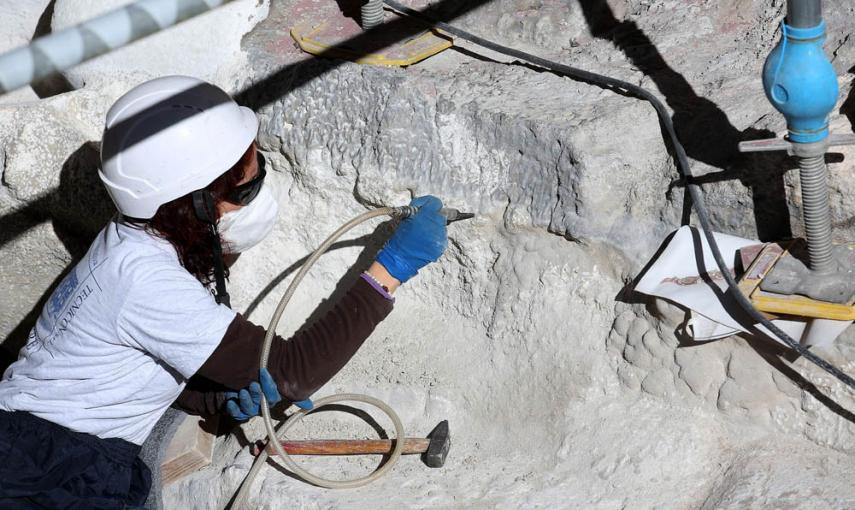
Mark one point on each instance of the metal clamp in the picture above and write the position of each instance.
(795, 149)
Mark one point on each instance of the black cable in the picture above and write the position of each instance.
(683, 167)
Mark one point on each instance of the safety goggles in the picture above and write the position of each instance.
(246, 192)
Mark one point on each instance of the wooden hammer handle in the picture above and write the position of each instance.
(350, 446)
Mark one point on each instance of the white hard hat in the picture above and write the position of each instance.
(168, 137)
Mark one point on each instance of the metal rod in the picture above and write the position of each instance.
(804, 13)
(66, 48)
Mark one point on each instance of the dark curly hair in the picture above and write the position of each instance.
(176, 222)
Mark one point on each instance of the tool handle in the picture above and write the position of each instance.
(350, 446)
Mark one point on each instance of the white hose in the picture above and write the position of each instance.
(272, 434)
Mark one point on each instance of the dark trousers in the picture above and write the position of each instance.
(45, 465)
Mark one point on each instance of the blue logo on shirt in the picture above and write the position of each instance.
(62, 294)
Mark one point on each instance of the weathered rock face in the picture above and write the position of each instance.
(562, 390)
(192, 47)
(51, 201)
(18, 22)
(49, 150)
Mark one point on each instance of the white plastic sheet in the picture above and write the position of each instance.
(685, 273)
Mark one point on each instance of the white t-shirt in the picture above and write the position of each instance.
(117, 340)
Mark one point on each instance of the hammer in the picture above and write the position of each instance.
(433, 449)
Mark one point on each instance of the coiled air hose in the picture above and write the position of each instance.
(697, 201)
(272, 434)
(683, 167)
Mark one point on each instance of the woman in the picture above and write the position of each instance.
(123, 333)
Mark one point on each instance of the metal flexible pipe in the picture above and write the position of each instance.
(372, 14)
(813, 174)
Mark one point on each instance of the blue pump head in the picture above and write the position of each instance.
(801, 83)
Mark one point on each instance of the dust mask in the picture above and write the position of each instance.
(242, 229)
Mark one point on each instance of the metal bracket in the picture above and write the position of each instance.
(796, 149)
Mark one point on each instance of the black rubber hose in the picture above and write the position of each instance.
(683, 167)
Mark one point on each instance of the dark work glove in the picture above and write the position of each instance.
(418, 240)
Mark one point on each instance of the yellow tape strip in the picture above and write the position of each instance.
(303, 36)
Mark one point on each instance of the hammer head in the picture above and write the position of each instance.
(440, 443)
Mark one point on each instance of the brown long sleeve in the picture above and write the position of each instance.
(201, 396)
(300, 365)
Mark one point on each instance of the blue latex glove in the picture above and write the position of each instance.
(246, 403)
(418, 240)
(306, 405)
